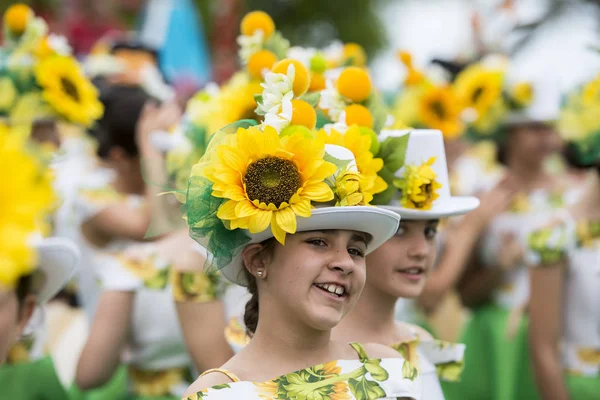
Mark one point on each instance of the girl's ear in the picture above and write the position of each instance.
(255, 260)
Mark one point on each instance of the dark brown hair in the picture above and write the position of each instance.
(251, 310)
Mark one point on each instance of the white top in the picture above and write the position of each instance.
(578, 245)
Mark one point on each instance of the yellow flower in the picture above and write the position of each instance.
(589, 356)
(408, 350)
(368, 166)
(235, 334)
(9, 94)
(30, 107)
(440, 109)
(522, 93)
(17, 17)
(26, 202)
(141, 268)
(413, 76)
(591, 91)
(418, 186)
(348, 189)
(268, 180)
(257, 20)
(67, 90)
(355, 54)
(479, 88)
(155, 383)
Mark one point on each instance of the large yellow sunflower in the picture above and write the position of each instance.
(27, 199)
(440, 109)
(67, 90)
(419, 186)
(359, 144)
(268, 180)
(479, 88)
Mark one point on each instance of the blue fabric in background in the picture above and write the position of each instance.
(179, 37)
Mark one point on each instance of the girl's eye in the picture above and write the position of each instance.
(316, 242)
(356, 252)
(430, 233)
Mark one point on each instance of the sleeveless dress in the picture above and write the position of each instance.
(436, 361)
(365, 378)
(497, 356)
(577, 243)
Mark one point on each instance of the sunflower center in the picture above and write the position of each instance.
(477, 94)
(438, 109)
(272, 180)
(69, 88)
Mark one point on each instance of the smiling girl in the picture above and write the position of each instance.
(399, 268)
(304, 274)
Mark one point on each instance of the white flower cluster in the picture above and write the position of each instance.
(277, 98)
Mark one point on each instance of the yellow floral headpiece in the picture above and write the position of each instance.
(26, 201)
(39, 77)
(579, 124)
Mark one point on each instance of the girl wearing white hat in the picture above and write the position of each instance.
(564, 309)
(399, 268)
(275, 214)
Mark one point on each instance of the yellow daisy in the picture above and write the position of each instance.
(440, 109)
(67, 90)
(26, 201)
(418, 186)
(359, 144)
(479, 88)
(268, 180)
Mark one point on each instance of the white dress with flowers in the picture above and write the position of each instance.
(575, 244)
(156, 357)
(362, 379)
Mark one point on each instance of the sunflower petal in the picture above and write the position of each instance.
(286, 220)
(302, 208)
(232, 158)
(260, 221)
(227, 210)
(278, 233)
(245, 209)
(318, 192)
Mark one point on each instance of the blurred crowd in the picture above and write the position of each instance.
(147, 215)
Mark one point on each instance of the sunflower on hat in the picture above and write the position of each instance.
(25, 205)
(40, 76)
(578, 122)
(426, 102)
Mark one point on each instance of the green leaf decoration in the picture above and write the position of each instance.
(360, 350)
(341, 164)
(363, 389)
(158, 281)
(311, 98)
(222, 386)
(450, 372)
(258, 98)
(277, 44)
(377, 371)
(322, 119)
(378, 110)
(409, 371)
(292, 129)
(393, 152)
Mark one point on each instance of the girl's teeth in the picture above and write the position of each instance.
(333, 289)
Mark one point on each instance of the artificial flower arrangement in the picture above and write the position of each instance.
(476, 102)
(38, 75)
(25, 205)
(579, 124)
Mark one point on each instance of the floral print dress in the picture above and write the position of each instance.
(362, 379)
(576, 245)
(435, 360)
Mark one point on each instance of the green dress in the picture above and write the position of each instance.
(32, 380)
(364, 379)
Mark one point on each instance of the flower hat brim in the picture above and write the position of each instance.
(58, 258)
(423, 145)
(380, 224)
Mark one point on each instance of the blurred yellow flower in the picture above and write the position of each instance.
(17, 17)
(479, 88)
(440, 109)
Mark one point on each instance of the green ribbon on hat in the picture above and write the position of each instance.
(201, 206)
